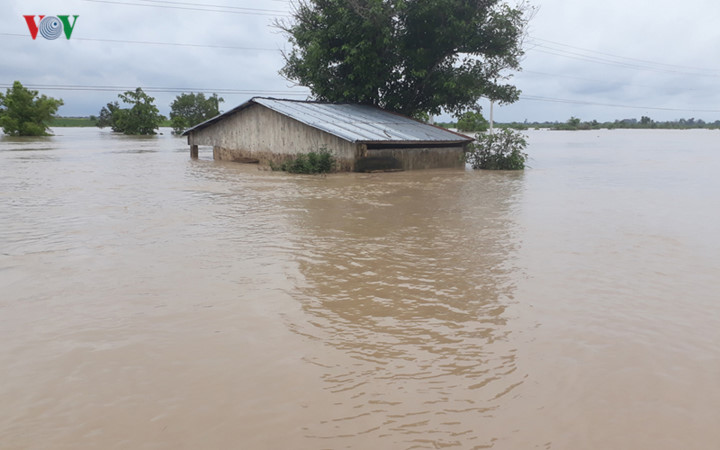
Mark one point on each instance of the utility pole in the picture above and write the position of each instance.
(492, 103)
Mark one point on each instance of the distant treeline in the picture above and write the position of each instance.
(644, 123)
(572, 124)
(89, 121)
(576, 124)
(73, 121)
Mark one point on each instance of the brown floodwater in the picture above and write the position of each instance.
(149, 301)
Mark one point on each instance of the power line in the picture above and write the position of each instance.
(230, 47)
(618, 61)
(167, 2)
(610, 105)
(155, 89)
(225, 9)
(160, 89)
(615, 83)
(648, 66)
(637, 60)
(177, 44)
(598, 60)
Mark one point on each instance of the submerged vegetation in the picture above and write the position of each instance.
(501, 150)
(321, 161)
(24, 113)
(141, 118)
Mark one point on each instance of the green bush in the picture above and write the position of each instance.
(501, 150)
(321, 161)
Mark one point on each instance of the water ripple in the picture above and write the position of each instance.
(416, 301)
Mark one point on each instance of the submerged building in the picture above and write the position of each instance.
(360, 137)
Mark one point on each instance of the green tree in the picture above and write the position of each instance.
(142, 117)
(472, 121)
(407, 56)
(107, 117)
(22, 113)
(188, 110)
(502, 150)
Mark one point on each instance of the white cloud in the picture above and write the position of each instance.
(646, 33)
(683, 35)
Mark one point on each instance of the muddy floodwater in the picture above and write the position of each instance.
(149, 301)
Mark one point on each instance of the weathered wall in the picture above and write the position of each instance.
(422, 158)
(258, 133)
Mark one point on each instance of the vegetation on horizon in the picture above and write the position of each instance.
(576, 124)
(681, 124)
(644, 123)
(61, 122)
(23, 113)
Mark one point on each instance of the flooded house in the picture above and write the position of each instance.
(360, 137)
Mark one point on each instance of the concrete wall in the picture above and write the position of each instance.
(261, 134)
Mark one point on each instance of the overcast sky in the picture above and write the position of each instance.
(600, 60)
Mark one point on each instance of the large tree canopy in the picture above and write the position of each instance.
(23, 113)
(408, 56)
(188, 110)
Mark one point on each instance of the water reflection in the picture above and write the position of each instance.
(204, 304)
(407, 277)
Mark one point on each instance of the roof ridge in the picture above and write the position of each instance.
(353, 122)
(319, 102)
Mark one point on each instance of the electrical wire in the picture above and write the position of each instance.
(599, 60)
(594, 80)
(176, 44)
(155, 89)
(167, 2)
(581, 102)
(539, 45)
(635, 60)
(226, 9)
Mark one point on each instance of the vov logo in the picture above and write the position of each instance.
(50, 27)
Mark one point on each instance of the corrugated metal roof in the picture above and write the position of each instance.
(354, 123)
